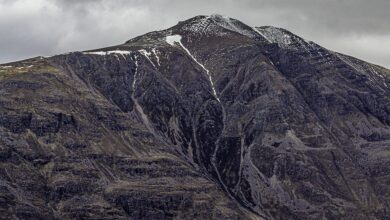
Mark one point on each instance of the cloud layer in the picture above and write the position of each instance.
(46, 27)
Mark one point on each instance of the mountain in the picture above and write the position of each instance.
(209, 119)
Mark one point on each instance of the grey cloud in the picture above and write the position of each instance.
(43, 27)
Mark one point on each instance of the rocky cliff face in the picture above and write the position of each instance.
(210, 119)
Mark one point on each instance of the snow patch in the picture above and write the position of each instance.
(173, 39)
(104, 53)
(123, 52)
(101, 53)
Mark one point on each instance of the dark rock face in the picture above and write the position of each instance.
(210, 119)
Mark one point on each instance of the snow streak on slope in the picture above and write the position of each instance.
(177, 39)
(287, 40)
(135, 74)
(147, 55)
(138, 107)
(276, 35)
(265, 37)
(156, 55)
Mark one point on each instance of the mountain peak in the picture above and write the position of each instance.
(221, 25)
(216, 25)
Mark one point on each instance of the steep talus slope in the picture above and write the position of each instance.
(208, 119)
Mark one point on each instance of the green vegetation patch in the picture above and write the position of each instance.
(30, 67)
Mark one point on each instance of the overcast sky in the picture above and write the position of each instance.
(360, 28)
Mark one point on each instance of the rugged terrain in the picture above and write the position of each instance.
(209, 119)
